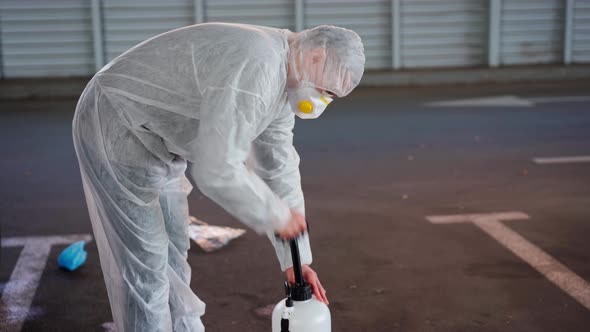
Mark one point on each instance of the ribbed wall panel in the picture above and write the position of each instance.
(449, 33)
(532, 31)
(277, 13)
(46, 38)
(371, 19)
(129, 22)
(54, 38)
(581, 32)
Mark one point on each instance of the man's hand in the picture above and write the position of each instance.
(295, 227)
(312, 278)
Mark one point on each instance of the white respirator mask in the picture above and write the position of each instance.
(307, 102)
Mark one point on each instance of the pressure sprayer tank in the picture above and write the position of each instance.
(300, 311)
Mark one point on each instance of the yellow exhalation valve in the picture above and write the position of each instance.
(305, 107)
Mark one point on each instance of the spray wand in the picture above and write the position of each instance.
(300, 291)
(300, 312)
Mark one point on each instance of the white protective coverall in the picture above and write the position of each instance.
(212, 94)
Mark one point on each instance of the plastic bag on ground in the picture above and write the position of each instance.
(211, 238)
(73, 256)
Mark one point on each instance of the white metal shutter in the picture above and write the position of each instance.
(273, 13)
(371, 19)
(581, 29)
(128, 22)
(46, 38)
(532, 31)
(438, 33)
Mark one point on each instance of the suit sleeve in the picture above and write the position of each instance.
(276, 161)
(228, 124)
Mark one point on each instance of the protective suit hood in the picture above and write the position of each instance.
(327, 57)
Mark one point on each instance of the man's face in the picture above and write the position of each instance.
(311, 67)
(327, 76)
(326, 93)
(314, 68)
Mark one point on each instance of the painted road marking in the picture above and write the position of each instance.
(563, 99)
(19, 291)
(562, 160)
(506, 101)
(548, 266)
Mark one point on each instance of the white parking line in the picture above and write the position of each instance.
(494, 101)
(548, 266)
(562, 160)
(506, 101)
(20, 290)
(562, 99)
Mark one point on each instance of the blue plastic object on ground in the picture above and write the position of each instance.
(73, 256)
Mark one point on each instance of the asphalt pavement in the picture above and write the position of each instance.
(374, 167)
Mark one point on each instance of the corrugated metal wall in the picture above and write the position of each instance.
(438, 33)
(274, 13)
(55, 38)
(127, 23)
(46, 38)
(532, 31)
(581, 31)
(371, 19)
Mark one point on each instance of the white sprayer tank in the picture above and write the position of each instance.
(305, 316)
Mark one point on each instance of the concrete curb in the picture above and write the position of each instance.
(475, 76)
(72, 87)
(42, 87)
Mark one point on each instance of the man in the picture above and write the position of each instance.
(216, 95)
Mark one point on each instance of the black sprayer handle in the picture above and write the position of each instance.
(301, 291)
(295, 257)
(297, 270)
(296, 263)
(299, 281)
